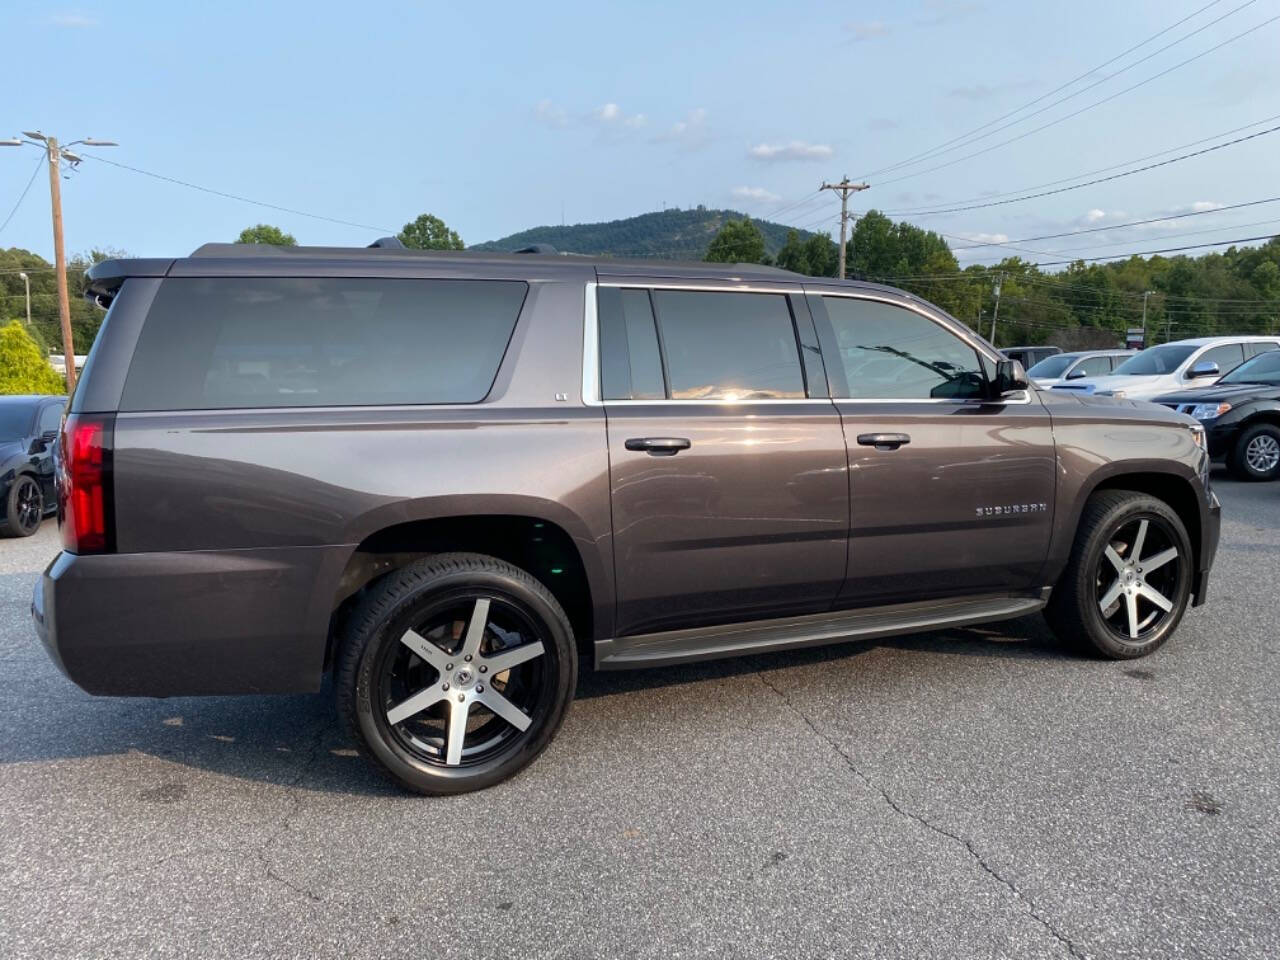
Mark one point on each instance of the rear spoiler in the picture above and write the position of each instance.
(103, 280)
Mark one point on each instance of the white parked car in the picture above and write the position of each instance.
(1172, 366)
(1062, 367)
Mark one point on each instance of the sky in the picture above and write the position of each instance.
(499, 117)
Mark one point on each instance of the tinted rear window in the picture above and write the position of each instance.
(226, 343)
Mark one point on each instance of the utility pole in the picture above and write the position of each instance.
(27, 282)
(844, 188)
(1145, 294)
(55, 155)
(996, 315)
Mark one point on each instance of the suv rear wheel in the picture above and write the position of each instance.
(1128, 581)
(455, 672)
(1256, 454)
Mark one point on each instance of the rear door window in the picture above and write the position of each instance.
(892, 353)
(51, 418)
(1260, 346)
(1093, 367)
(229, 343)
(630, 363)
(728, 345)
(1227, 357)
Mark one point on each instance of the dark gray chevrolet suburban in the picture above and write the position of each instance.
(443, 476)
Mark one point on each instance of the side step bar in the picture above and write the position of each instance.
(763, 636)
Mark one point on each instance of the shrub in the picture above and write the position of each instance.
(23, 366)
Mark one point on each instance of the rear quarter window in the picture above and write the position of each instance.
(225, 343)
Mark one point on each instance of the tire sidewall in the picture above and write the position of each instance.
(1092, 555)
(1241, 464)
(390, 625)
(11, 506)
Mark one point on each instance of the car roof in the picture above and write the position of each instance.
(16, 399)
(1204, 341)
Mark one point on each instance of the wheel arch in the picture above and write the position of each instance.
(541, 541)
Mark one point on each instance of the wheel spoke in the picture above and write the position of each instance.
(1155, 596)
(1131, 601)
(1115, 559)
(1158, 560)
(513, 658)
(426, 650)
(504, 708)
(1141, 539)
(416, 704)
(1111, 596)
(458, 711)
(475, 628)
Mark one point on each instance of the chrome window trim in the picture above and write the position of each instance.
(591, 348)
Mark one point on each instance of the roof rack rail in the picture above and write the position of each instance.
(395, 243)
(537, 248)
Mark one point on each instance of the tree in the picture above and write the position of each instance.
(430, 233)
(266, 233)
(738, 241)
(816, 256)
(23, 367)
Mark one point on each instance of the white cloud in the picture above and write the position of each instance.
(793, 150)
(1094, 215)
(756, 194)
(75, 21)
(691, 129)
(866, 30)
(611, 113)
(1201, 205)
(988, 238)
(551, 114)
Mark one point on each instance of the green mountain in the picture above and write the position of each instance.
(668, 234)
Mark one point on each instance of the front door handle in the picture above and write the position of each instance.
(883, 441)
(659, 446)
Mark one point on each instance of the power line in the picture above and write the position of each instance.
(22, 196)
(1116, 226)
(955, 144)
(1076, 113)
(232, 196)
(1146, 253)
(1114, 166)
(1090, 183)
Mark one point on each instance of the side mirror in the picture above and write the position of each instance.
(1010, 378)
(1076, 375)
(1205, 368)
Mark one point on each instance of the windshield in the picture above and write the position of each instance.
(1264, 368)
(1165, 359)
(1051, 367)
(15, 421)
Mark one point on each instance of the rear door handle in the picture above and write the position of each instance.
(883, 441)
(659, 446)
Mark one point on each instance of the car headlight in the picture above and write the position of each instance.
(1209, 411)
(1197, 436)
(1118, 394)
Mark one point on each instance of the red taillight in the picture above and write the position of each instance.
(86, 505)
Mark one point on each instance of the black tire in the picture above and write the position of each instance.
(24, 506)
(1253, 451)
(382, 665)
(1075, 611)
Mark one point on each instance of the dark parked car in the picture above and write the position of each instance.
(28, 433)
(1241, 413)
(443, 476)
(1030, 356)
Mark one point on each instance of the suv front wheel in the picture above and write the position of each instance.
(455, 672)
(1128, 581)
(1256, 454)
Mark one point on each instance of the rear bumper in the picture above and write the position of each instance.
(188, 624)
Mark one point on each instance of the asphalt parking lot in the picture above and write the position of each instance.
(974, 793)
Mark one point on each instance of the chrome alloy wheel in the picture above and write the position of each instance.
(466, 682)
(1138, 579)
(1262, 454)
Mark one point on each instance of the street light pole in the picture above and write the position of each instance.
(1145, 294)
(27, 283)
(56, 154)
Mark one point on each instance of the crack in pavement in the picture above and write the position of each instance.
(1032, 910)
(286, 822)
